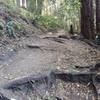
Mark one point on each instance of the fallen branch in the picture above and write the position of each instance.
(56, 39)
(48, 80)
(63, 36)
(33, 46)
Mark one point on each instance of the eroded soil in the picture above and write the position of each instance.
(36, 54)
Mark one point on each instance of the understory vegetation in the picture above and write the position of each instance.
(53, 14)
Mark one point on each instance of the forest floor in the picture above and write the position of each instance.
(39, 54)
(35, 52)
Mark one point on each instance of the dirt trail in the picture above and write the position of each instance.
(49, 55)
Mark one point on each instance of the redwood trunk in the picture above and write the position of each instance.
(87, 19)
(98, 16)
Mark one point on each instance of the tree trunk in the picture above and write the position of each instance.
(98, 16)
(39, 6)
(87, 19)
(23, 3)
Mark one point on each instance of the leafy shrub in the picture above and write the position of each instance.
(50, 22)
(26, 14)
(18, 26)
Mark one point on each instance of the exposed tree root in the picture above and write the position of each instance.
(2, 97)
(63, 36)
(91, 43)
(92, 68)
(56, 39)
(46, 81)
(81, 67)
(33, 46)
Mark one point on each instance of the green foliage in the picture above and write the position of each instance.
(69, 12)
(11, 7)
(26, 14)
(1, 24)
(50, 22)
(10, 28)
(18, 26)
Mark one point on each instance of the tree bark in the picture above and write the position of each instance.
(23, 3)
(98, 16)
(87, 19)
